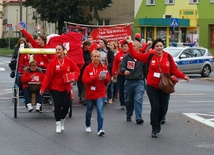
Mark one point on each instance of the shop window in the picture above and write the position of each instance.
(149, 33)
(150, 2)
(170, 2)
(161, 33)
(193, 1)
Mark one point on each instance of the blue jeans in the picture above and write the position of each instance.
(121, 81)
(27, 96)
(134, 90)
(90, 106)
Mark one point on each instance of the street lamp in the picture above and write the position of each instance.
(20, 34)
(16, 19)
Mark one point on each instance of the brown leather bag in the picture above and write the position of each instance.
(166, 84)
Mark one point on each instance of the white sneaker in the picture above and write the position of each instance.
(29, 107)
(110, 101)
(88, 129)
(101, 132)
(62, 124)
(58, 127)
(38, 106)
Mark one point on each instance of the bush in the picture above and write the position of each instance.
(3, 43)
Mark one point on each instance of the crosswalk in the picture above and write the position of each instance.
(205, 118)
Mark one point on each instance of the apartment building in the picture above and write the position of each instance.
(119, 12)
(176, 21)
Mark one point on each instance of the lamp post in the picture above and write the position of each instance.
(20, 34)
(16, 19)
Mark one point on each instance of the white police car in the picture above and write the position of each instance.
(192, 60)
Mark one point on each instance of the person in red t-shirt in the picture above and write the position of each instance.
(117, 74)
(32, 74)
(94, 46)
(95, 77)
(158, 64)
(42, 59)
(60, 88)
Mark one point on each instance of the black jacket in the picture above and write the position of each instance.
(136, 68)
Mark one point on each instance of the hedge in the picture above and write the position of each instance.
(4, 42)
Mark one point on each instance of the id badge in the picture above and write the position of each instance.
(93, 88)
(156, 74)
(41, 63)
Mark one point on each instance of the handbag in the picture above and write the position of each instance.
(166, 84)
(68, 77)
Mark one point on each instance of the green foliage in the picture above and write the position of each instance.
(77, 11)
(4, 42)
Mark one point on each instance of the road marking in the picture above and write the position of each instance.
(201, 101)
(198, 117)
(2, 69)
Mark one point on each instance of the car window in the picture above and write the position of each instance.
(196, 53)
(188, 53)
(202, 51)
(173, 52)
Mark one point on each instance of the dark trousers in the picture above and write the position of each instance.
(121, 81)
(159, 105)
(27, 96)
(81, 89)
(61, 104)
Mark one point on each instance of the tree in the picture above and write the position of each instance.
(77, 11)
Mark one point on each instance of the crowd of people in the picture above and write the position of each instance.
(116, 69)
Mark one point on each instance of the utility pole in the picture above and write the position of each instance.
(20, 34)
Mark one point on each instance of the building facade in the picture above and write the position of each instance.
(176, 21)
(11, 17)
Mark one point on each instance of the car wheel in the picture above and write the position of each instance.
(206, 71)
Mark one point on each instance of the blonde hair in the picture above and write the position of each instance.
(95, 51)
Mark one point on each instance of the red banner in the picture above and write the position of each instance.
(110, 33)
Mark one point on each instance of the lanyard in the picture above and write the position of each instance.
(94, 70)
(61, 64)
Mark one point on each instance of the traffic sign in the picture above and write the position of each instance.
(11, 28)
(174, 22)
(22, 24)
(9, 25)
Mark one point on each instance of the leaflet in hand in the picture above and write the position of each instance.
(103, 73)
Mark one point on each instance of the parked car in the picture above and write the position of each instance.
(192, 60)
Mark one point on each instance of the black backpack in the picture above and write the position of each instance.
(145, 71)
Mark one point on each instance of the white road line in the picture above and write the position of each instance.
(201, 101)
(197, 117)
(2, 69)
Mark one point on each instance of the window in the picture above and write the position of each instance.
(193, 1)
(150, 2)
(211, 1)
(169, 1)
(103, 22)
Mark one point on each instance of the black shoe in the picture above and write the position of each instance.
(84, 103)
(12, 74)
(163, 121)
(158, 128)
(128, 119)
(154, 134)
(139, 121)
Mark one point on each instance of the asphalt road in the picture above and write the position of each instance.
(189, 129)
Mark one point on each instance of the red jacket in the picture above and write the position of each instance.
(31, 76)
(41, 59)
(116, 64)
(54, 75)
(23, 62)
(94, 46)
(164, 62)
(95, 88)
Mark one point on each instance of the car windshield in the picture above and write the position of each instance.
(173, 52)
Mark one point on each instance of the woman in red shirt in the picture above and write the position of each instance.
(95, 77)
(158, 99)
(32, 74)
(60, 90)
